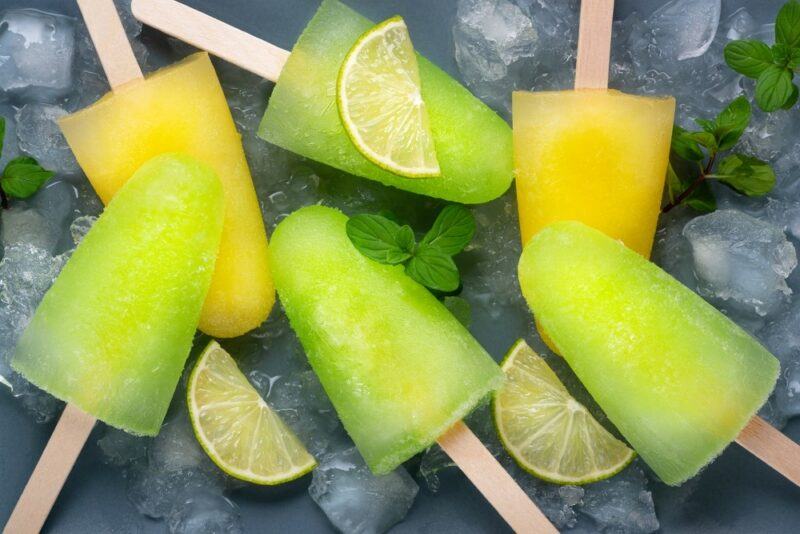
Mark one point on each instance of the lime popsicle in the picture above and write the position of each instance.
(182, 108)
(473, 144)
(678, 378)
(595, 156)
(399, 368)
(113, 332)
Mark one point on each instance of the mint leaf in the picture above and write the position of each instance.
(794, 58)
(748, 57)
(781, 54)
(23, 177)
(452, 230)
(460, 309)
(405, 238)
(746, 174)
(787, 25)
(774, 88)
(705, 139)
(685, 146)
(434, 269)
(376, 237)
(731, 122)
(706, 125)
(674, 184)
(792, 98)
(702, 199)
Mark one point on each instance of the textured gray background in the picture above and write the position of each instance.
(736, 494)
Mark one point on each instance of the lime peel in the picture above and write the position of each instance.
(378, 92)
(547, 432)
(241, 434)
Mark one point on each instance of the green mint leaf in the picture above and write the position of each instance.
(434, 269)
(794, 58)
(705, 139)
(781, 54)
(23, 177)
(746, 174)
(707, 125)
(748, 57)
(731, 122)
(460, 309)
(787, 25)
(792, 98)
(452, 230)
(702, 199)
(376, 238)
(685, 146)
(774, 88)
(405, 238)
(674, 183)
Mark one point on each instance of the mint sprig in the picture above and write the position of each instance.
(773, 67)
(429, 262)
(22, 177)
(697, 157)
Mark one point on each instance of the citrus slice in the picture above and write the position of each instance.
(380, 102)
(548, 432)
(238, 431)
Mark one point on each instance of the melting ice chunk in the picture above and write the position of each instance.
(741, 260)
(205, 512)
(36, 54)
(685, 28)
(40, 137)
(355, 500)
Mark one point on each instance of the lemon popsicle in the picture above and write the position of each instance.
(398, 367)
(113, 332)
(182, 108)
(678, 379)
(595, 156)
(473, 144)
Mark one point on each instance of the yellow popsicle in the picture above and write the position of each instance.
(182, 108)
(595, 156)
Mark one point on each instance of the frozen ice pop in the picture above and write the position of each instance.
(678, 378)
(113, 332)
(399, 368)
(595, 156)
(182, 108)
(473, 144)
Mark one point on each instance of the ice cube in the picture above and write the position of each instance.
(80, 227)
(24, 225)
(355, 500)
(684, 29)
(622, 503)
(205, 512)
(40, 137)
(10, 147)
(739, 25)
(121, 449)
(37, 51)
(671, 250)
(741, 261)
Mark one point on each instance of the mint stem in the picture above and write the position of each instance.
(693, 186)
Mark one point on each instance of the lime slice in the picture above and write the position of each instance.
(237, 429)
(549, 433)
(380, 102)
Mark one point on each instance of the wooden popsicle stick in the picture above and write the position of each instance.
(110, 41)
(55, 464)
(207, 33)
(74, 426)
(494, 482)
(594, 44)
(772, 447)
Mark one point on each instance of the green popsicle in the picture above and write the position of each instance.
(399, 368)
(678, 378)
(473, 144)
(113, 332)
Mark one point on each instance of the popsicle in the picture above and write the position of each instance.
(112, 334)
(677, 377)
(179, 108)
(398, 367)
(593, 155)
(473, 144)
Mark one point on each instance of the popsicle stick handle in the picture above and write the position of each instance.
(494, 482)
(772, 447)
(110, 41)
(594, 44)
(55, 464)
(218, 38)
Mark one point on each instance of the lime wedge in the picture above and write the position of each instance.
(380, 102)
(237, 429)
(549, 433)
